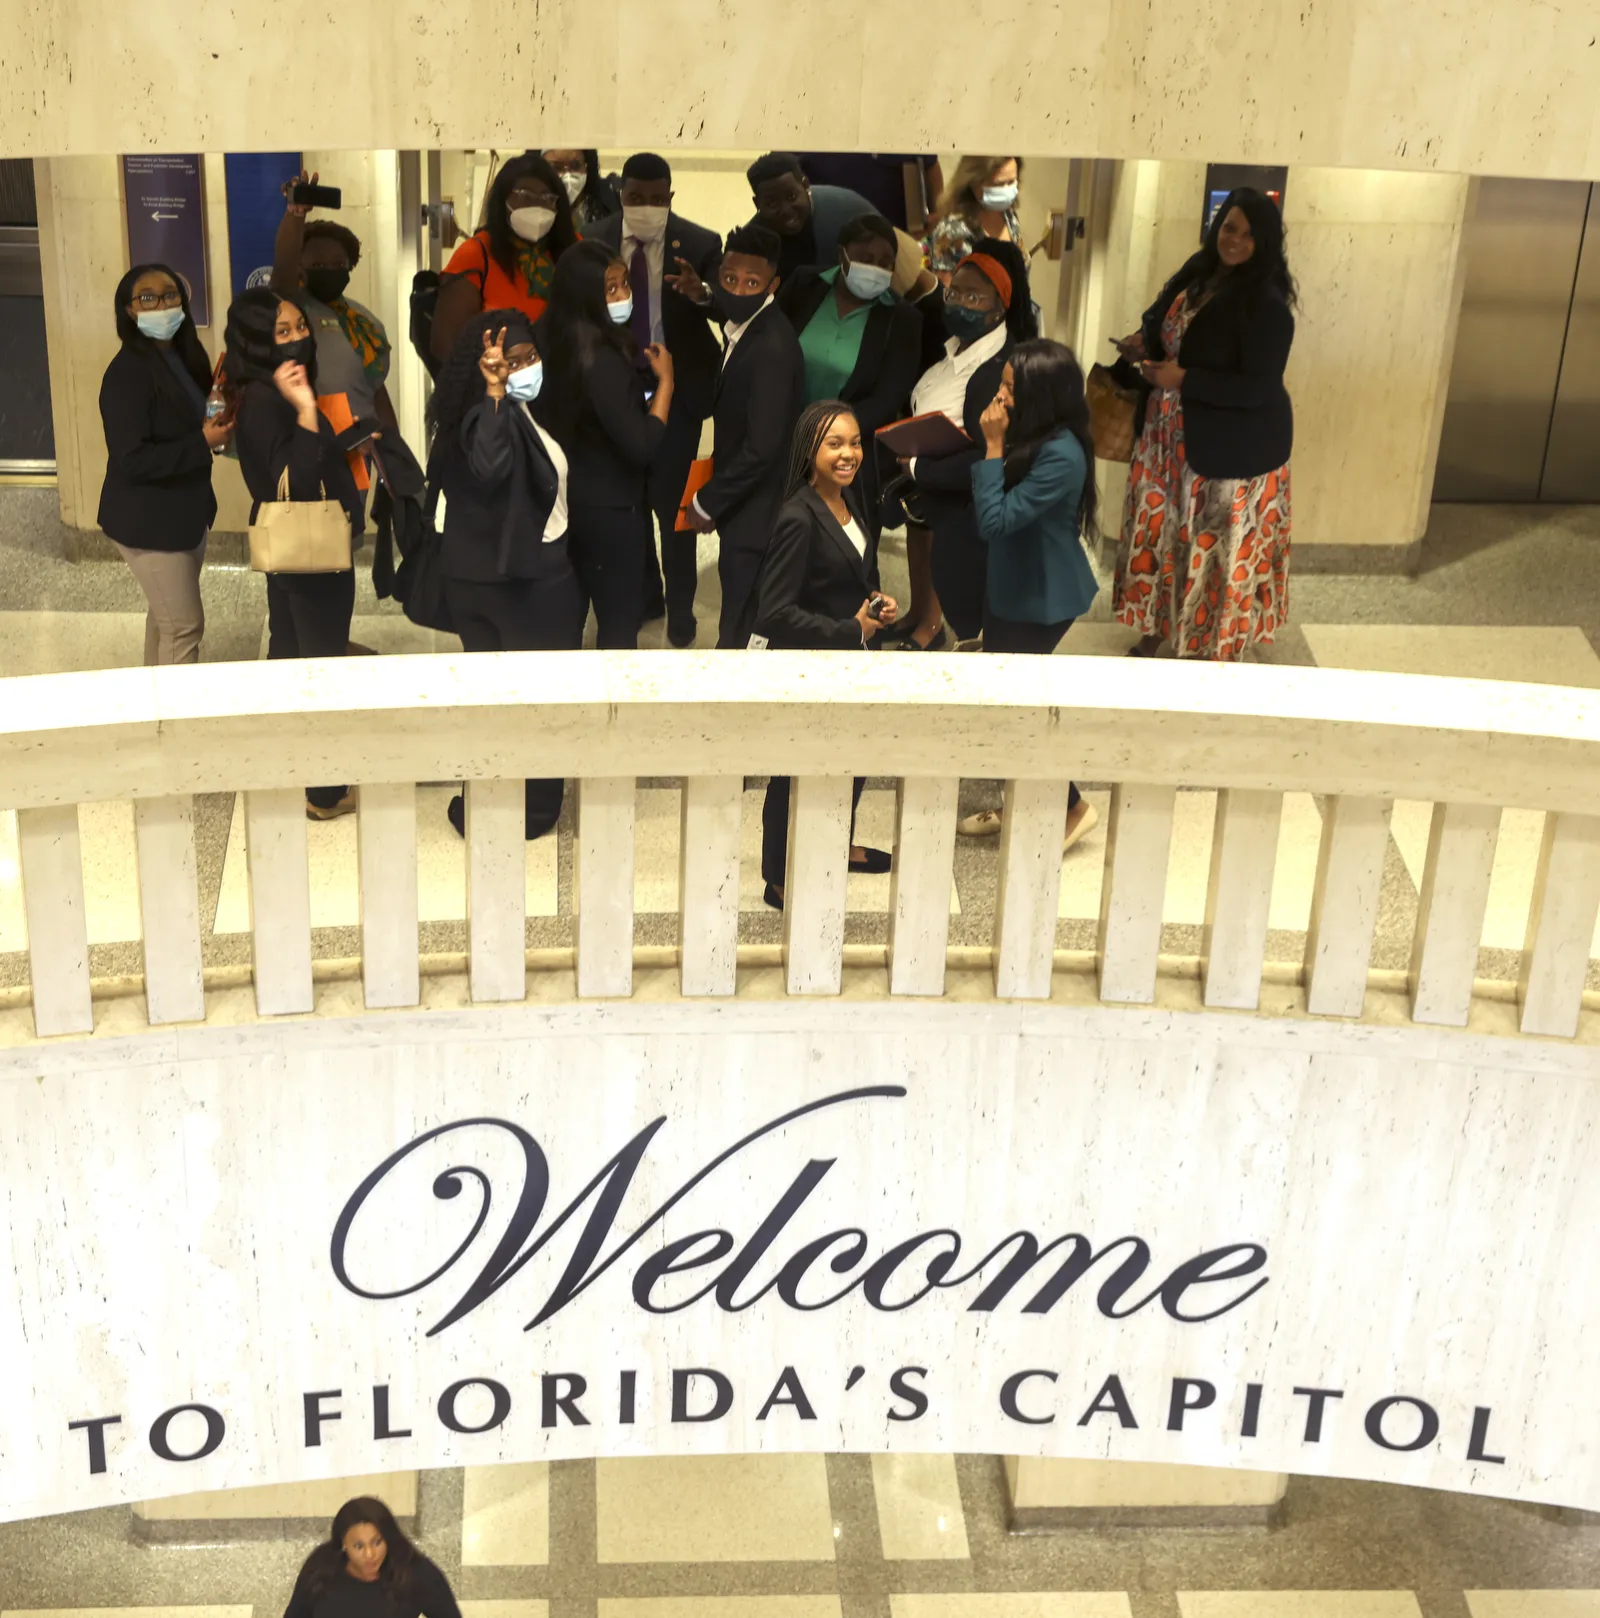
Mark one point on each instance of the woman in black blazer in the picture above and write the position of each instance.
(156, 505)
(818, 590)
(607, 407)
(861, 341)
(1210, 475)
(978, 314)
(271, 372)
(508, 580)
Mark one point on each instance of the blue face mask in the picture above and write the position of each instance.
(525, 384)
(161, 324)
(621, 313)
(1000, 197)
(867, 281)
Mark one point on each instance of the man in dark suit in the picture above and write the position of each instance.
(760, 394)
(806, 217)
(656, 245)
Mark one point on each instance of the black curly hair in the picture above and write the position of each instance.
(334, 231)
(459, 384)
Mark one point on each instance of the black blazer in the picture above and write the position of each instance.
(812, 582)
(685, 326)
(1237, 419)
(157, 493)
(500, 487)
(886, 369)
(269, 437)
(944, 482)
(613, 439)
(761, 391)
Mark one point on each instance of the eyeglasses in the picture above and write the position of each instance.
(983, 302)
(530, 199)
(172, 299)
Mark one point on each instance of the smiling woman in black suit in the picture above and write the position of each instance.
(818, 590)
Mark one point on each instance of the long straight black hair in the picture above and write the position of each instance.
(1267, 269)
(249, 337)
(503, 240)
(575, 328)
(1048, 399)
(327, 1562)
(186, 342)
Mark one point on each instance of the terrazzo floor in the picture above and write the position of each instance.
(1480, 605)
(838, 1536)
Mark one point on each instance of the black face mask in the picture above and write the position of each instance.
(300, 352)
(326, 284)
(736, 307)
(967, 324)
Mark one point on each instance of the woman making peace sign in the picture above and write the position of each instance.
(509, 583)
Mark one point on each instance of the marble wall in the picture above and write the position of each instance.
(1491, 86)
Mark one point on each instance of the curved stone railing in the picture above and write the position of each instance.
(1253, 733)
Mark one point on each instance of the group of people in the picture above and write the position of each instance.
(585, 335)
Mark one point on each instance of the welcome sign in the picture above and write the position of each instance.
(254, 1255)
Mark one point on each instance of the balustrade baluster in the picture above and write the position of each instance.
(603, 885)
(1344, 904)
(919, 891)
(169, 910)
(280, 899)
(1455, 895)
(1133, 891)
(1031, 835)
(708, 883)
(814, 890)
(1566, 900)
(1244, 852)
(386, 839)
(51, 859)
(497, 890)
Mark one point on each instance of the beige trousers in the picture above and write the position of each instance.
(171, 584)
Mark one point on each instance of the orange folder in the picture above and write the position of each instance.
(699, 477)
(336, 407)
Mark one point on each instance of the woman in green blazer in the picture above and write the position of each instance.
(1034, 497)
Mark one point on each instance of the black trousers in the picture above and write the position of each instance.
(775, 826)
(1040, 640)
(520, 615)
(669, 472)
(738, 570)
(960, 570)
(308, 615)
(607, 546)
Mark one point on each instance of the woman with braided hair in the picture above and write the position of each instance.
(818, 590)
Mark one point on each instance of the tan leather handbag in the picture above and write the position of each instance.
(1112, 409)
(300, 536)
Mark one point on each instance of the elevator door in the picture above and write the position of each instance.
(1523, 410)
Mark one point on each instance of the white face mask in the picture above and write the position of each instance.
(621, 313)
(573, 185)
(525, 384)
(867, 281)
(162, 324)
(532, 224)
(1000, 197)
(644, 224)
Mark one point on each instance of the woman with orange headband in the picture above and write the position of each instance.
(939, 497)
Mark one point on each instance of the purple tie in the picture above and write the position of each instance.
(639, 283)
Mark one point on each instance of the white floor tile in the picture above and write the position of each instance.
(335, 893)
(64, 642)
(1534, 1603)
(655, 854)
(1298, 1604)
(128, 1612)
(719, 1607)
(919, 1507)
(1189, 867)
(505, 1517)
(504, 1609)
(1516, 861)
(110, 876)
(1543, 655)
(723, 1508)
(1014, 1604)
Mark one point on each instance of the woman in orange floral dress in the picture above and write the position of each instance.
(1203, 560)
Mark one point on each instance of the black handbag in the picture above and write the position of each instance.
(419, 579)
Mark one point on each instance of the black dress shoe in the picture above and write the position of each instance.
(681, 629)
(537, 828)
(457, 814)
(940, 640)
(773, 897)
(876, 862)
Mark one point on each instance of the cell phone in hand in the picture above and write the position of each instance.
(315, 196)
(875, 606)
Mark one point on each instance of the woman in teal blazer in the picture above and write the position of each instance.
(1034, 496)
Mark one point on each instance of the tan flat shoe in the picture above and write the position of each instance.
(986, 823)
(1086, 823)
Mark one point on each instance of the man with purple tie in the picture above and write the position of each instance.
(657, 245)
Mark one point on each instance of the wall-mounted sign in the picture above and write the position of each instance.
(255, 208)
(1221, 178)
(249, 1255)
(163, 199)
